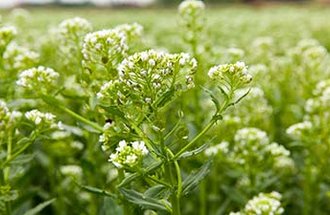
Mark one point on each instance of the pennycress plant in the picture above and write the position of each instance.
(312, 136)
(133, 102)
(18, 132)
(263, 204)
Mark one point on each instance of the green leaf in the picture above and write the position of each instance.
(136, 175)
(109, 206)
(213, 97)
(146, 202)
(165, 98)
(22, 159)
(39, 207)
(156, 191)
(113, 110)
(191, 182)
(194, 152)
(96, 190)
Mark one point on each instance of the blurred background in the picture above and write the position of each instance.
(130, 3)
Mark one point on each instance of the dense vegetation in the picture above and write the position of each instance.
(189, 111)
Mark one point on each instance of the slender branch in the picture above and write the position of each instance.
(193, 141)
(54, 102)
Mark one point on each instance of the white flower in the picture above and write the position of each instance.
(41, 119)
(265, 204)
(232, 74)
(71, 170)
(38, 78)
(187, 6)
(298, 129)
(128, 154)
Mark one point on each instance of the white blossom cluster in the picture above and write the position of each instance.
(191, 8)
(8, 118)
(7, 33)
(297, 130)
(105, 47)
(192, 20)
(308, 53)
(235, 75)
(74, 27)
(253, 144)
(71, 170)
(321, 102)
(263, 204)
(41, 120)
(131, 31)
(146, 76)
(19, 58)
(317, 114)
(222, 148)
(128, 154)
(38, 78)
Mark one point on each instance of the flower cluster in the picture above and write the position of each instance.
(7, 33)
(222, 147)
(309, 54)
(40, 79)
(263, 204)
(192, 20)
(145, 78)
(131, 31)
(8, 118)
(41, 120)
(188, 7)
(19, 58)
(71, 170)
(317, 114)
(74, 28)
(105, 48)
(128, 154)
(191, 13)
(297, 130)
(253, 145)
(232, 75)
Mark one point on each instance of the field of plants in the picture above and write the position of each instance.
(195, 110)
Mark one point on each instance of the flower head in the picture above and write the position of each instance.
(74, 27)
(41, 120)
(128, 154)
(235, 75)
(38, 78)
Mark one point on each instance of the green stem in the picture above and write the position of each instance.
(9, 151)
(193, 141)
(17, 153)
(202, 198)
(176, 195)
(82, 119)
(159, 181)
(54, 102)
(6, 172)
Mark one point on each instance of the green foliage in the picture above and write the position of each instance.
(163, 117)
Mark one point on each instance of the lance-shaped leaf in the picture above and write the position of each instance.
(39, 207)
(194, 152)
(191, 182)
(146, 202)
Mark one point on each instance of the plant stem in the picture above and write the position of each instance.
(82, 119)
(176, 195)
(54, 102)
(193, 141)
(7, 169)
(202, 198)
(9, 151)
